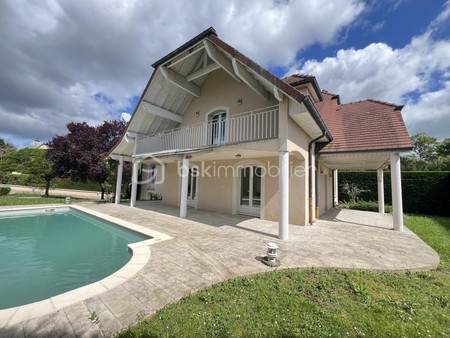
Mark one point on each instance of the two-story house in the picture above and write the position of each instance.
(226, 135)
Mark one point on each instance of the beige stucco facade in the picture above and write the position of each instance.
(218, 182)
(206, 104)
(222, 91)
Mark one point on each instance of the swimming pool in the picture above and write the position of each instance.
(47, 252)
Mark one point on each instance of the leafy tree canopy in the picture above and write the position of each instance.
(32, 162)
(81, 154)
(5, 148)
(425, 146)
(429, 154)
(443, 148)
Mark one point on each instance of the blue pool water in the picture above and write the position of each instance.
(48, 253)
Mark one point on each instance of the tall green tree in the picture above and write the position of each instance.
(5, 148)
(425, 147)
(443, 148)
(32, 162)
(81, 154)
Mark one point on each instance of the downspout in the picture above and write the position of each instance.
(316, 185)
(310, 144)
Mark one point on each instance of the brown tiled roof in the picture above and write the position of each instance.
(367, 125)
(296, 78)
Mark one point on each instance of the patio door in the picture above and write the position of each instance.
(250, 191)
(217, 126)
(192, 187)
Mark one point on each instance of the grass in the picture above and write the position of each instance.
(319, 302)
(30, 199)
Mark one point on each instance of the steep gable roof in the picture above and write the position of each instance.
(367, 125)
(179, 76)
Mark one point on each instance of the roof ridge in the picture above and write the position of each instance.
(386, 103)
(328, 92)
(396, 106)
(302, 75)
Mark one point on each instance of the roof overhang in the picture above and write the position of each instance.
(178, 78)
(358, 160)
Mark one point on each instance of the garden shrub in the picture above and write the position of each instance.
(424, 192)
(364, 205)
(4, 191)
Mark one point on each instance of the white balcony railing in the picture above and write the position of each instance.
(245, 127)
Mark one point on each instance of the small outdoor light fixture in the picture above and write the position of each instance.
(271, 258)
(197, 113)
(239, 101)
(67, 200)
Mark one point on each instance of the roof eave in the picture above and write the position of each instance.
(208, 32)
(354, 151)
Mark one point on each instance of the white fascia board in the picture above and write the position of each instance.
(158, 111)
(117, 156)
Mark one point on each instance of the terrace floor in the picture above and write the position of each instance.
(209, 247)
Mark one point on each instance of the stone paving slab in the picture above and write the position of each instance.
(221, 247)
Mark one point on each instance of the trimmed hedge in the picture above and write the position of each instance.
(424, 192)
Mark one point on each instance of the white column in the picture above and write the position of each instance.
(184, 187)
(134, 181)
(335, 188)
(396, 184)
(119, 180)
(283, 226)
(380, 180)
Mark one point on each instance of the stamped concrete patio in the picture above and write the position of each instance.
(209, 247)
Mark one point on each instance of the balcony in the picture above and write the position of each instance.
(246, 127)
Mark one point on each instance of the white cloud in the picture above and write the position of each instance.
(414, 75)
(431, 114)
(67, 60)
(125, 116)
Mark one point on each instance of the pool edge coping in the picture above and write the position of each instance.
(141, 254)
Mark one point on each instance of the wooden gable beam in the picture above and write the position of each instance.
(158, 111)
(278, 94)
(180, 81)
(249, 80)
(184, 57)
(219, 58)
(208, 69)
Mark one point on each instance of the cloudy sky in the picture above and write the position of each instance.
(65, 60)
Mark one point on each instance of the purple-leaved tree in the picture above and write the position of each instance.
(81, 154)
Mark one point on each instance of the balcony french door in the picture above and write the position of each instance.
(217, 127)
(250, 191)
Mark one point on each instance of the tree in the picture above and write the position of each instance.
(5, 148)
(81, 154)
(425, 146)
(32, 162)
(443, 147)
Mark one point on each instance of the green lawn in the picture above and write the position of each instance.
(319, 302)
(30, 199)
